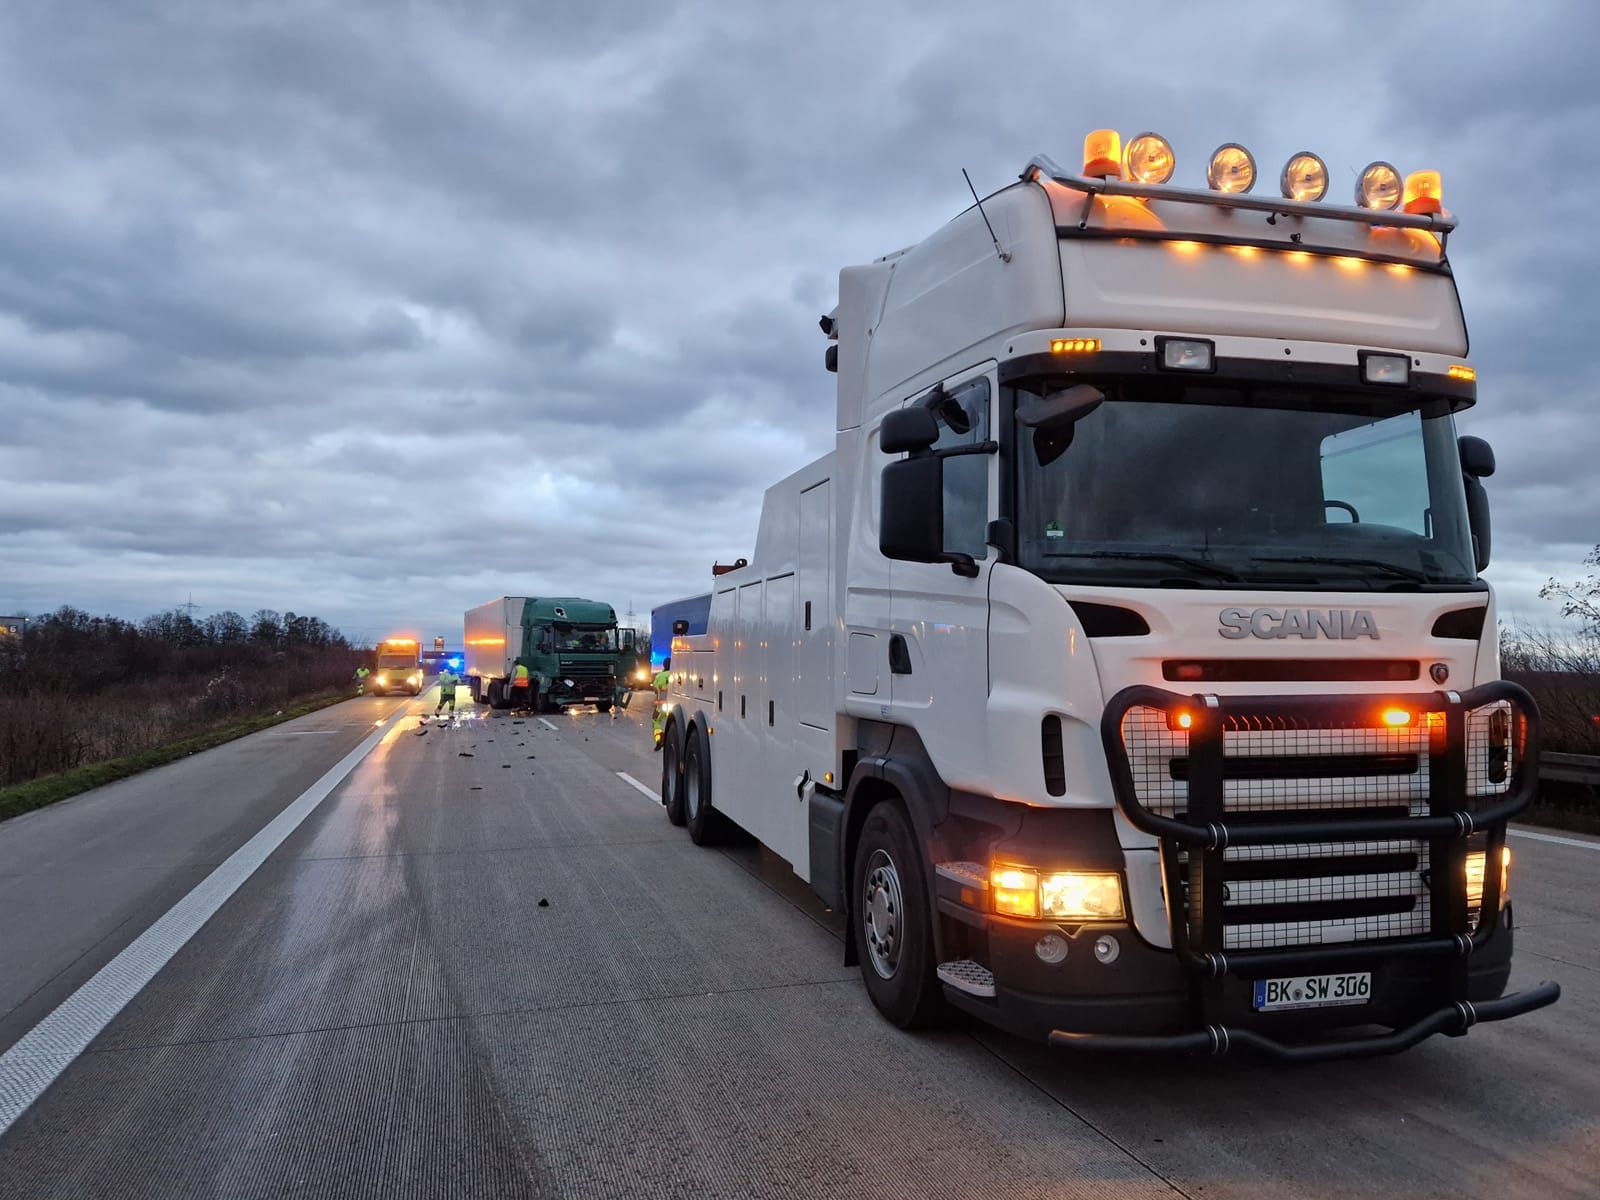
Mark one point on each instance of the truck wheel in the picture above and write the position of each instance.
(703, 822)
(497, 694)
(603, 705)
(891, 922)
(671, 778)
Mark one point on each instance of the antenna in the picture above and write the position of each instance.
(1004, 257)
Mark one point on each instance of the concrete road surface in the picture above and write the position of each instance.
(486, 965)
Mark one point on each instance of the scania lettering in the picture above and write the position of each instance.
(970, 683)
(1297, 622)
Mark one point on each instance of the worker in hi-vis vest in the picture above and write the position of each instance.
(521, 695)
(662, 681)
(447, 691)
(361, 679)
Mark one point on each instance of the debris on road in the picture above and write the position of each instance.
(465, 754)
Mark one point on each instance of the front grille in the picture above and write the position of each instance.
(580, 669)
(1292, 771)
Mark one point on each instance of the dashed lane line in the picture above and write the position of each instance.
(639, 787)
(49, 1048)
(550, 725)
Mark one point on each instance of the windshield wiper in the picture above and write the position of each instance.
(1198, 565)
(1324, 560)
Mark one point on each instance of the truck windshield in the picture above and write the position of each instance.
(1215, 486)
(391, 660)
(579, 637)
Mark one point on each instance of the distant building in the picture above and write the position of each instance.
(12, 626)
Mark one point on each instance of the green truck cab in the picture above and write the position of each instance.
(569, 646)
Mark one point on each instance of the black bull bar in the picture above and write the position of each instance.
(1205, 831)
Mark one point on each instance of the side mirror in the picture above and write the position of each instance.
(1477, 463)
(911, 516)
(908, 431)
(1478, 519)
(1477, 456)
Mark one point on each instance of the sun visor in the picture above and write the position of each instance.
(1137, 263)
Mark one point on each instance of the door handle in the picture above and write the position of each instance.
(899, 655)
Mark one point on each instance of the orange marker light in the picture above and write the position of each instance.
(1102, 154)
(1183, 720)
(1074, 345)
(1396, 716)
(1463, 372)
(1424, 192)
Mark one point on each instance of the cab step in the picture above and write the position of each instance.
(967, 976)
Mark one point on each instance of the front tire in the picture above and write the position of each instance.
(891, 922)
(672, 778)
(603, 705)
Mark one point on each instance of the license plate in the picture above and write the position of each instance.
(1313, 991)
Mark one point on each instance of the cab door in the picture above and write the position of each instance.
(938, 667)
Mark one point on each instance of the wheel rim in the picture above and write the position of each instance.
(882, 914)
(691, 791)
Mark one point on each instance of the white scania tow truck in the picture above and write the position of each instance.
(1125, 674)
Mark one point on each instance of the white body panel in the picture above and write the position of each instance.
(493, 633)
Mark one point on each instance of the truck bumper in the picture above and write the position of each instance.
(1141, 1001)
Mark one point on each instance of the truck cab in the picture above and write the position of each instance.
(571, 648)
(399, 668)
(1126, 673)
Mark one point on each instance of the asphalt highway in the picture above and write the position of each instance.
(486, 965)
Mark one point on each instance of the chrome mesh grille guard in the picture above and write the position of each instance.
(1301, 779)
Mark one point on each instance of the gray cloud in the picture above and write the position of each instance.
(377, 311)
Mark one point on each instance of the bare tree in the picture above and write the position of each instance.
(1581, 598)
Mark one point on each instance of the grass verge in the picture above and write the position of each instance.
(47, 789)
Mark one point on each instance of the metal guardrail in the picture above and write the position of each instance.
(1570, 768)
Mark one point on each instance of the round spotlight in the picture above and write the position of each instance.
(1106, 949)
(1305, 177)
(1379, 186)
(1148, 159)
(1232, 169)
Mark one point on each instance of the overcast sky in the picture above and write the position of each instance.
(379, 311)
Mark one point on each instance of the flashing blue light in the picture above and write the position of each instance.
(456, 662)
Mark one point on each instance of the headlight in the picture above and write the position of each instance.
(1061, 895)
(1476, 861)
(1082, 895)
(381, 679)
(414, 680)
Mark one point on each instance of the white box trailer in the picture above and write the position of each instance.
(493, 633)
(1125, 674)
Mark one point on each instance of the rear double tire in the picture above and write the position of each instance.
(703, 822)
(672, 777)
(892, 923)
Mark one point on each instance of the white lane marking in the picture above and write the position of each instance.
(634, 783)
(1553, 839)
(306, 732)
(46, 1050)
(550, 725)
